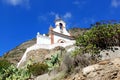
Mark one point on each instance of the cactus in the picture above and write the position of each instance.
(53, 62)
(13, 73)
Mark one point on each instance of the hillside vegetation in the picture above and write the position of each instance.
(64, 65)
(16, 53)
(99, 37)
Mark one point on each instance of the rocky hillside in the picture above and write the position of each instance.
(15, 54)
(77, 31)
(67, 65)
(103, 70)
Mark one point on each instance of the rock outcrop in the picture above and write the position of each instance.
(104, 70)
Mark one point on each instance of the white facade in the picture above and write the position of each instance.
(60, 29)
(42, 39)
(58, 39)
(45, 42)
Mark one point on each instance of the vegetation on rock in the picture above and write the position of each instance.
(13, 73)
(4, 64)
(89, 43)
(99, 37)
(37, 68)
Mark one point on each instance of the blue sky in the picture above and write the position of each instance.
(20, 20)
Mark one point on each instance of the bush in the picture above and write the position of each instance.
(68, 62)
(75, 63)
(4, 64)
(13, 73)
(37, 68)
(99, 37)
(81, 60)
(54, 61)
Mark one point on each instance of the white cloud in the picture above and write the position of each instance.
(115, 3)
(67, 15)
(43, 18)
(57, 16)
(52, 13)
(89, 20)
(49, 17)
(76, 2)
(14, 2)
(80, 3)
(24, 3)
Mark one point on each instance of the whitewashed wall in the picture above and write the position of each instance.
(56, 38)
(43, 39)
(57, 29)
(65, 32)
(60, 21)
(43, 46)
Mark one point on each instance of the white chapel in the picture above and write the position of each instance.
(59, 34)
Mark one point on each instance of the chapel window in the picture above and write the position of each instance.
(61, 27)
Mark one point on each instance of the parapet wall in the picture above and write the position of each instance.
(43, 39)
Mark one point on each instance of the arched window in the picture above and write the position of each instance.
(61, 41)
(61, 27)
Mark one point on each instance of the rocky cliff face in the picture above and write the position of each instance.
(103, 70)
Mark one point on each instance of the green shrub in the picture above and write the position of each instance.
(13, 73)
(37, 68)
(4, 64)
(53, 62)
(99, 37)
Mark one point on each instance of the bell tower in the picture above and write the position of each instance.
(61, 27)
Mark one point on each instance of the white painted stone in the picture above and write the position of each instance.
(57, 38)
(42, 39)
